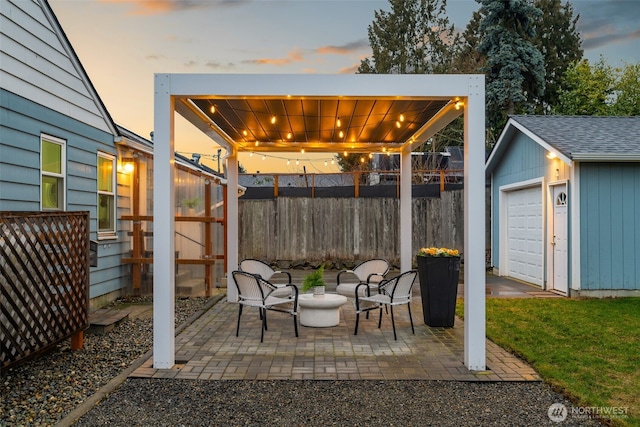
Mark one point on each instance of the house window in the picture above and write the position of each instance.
(52, 173)
(561, 200)
(106, 195)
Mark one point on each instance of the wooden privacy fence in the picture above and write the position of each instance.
(44, 281)
(295, 231)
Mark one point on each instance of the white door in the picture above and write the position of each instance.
(559, 240)
(524, 238)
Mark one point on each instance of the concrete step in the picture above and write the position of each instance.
(183, 276)
(191, 287)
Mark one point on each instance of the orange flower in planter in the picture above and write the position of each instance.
(443, 252)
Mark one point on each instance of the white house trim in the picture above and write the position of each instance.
(574, 226)
(497, 151)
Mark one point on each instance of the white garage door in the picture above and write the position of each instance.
(524, 235)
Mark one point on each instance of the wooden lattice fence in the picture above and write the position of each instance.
(44, 281)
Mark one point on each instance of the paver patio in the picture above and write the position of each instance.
(209, 350)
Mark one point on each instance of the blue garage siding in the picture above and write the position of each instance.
(610, 226)
(523, 160)
(21, 124)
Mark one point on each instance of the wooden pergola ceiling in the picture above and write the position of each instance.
(318, 123)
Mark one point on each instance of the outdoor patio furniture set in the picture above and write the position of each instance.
(365, 284)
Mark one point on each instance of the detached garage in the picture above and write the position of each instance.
(565, 204)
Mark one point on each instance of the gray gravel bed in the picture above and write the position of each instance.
(44, 390)
(162, 402)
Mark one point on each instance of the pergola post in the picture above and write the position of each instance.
(163, 226)
(232, 223)
(405, 209)
(474, 227)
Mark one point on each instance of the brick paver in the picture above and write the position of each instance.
(209, 350)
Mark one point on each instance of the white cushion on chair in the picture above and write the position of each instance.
(349, 289)
(282, 291)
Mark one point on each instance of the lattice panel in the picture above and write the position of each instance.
(44, 280)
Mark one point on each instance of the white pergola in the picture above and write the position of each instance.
(361, 113)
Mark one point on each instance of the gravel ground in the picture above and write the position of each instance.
(156, 402)
(44, 391)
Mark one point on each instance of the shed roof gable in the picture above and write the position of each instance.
(575, 138)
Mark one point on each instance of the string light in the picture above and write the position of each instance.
(273, 120)
(264, 156)
(213, 109)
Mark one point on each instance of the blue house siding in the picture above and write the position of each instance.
(523, 160)
(610, 226)
(22, 124)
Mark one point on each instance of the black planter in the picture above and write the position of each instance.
(439, 289)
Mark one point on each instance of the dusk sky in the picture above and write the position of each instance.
(123, 43)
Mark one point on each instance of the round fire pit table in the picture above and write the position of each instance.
(320, 311)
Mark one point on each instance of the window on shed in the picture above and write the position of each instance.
(106, 195)
(52, 173)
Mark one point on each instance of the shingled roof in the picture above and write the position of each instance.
(576, 138)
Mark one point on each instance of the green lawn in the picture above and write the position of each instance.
(588, 349)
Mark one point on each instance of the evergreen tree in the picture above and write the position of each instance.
(514, 67)
(415, 37)
(559, 42)
(467, 59)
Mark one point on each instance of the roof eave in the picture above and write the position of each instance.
(606, 157)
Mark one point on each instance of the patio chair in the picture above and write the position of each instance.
(392, 292)
(264, 270)
(370, 273)
(254, 291)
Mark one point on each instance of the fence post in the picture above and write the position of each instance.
(275, 185)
